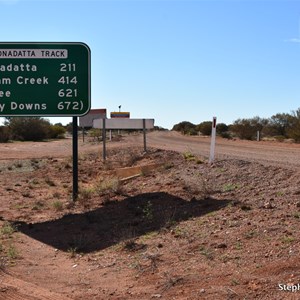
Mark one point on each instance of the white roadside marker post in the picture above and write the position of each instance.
(213, 140)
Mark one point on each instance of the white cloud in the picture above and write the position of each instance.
(293, 40)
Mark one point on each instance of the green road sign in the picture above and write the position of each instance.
(44, 79)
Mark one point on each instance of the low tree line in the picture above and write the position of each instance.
(204, 128)
(38, 129)
(280, 126)
(30, 129)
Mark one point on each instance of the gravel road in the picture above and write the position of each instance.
(266, 152)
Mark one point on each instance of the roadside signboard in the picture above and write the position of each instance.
(44, 79)
(120, 114)
(87, 120)
(124, 123)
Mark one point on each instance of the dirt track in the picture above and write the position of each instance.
(272, 153)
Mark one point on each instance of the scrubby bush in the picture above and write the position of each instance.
(242, 128)
(247, 128)
(33, 129)
(56, 131)
(222, 128)
(293, 129)
(279, 125)
(95, 133)
(69, 128)
(185, 127)
(28, 128)
(205, 127)
(4, 134)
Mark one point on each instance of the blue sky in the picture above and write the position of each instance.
(175, 60)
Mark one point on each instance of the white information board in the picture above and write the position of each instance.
(124, 123)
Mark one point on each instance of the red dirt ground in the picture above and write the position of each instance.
(184, 230)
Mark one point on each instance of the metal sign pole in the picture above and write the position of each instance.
(104, 139)
(57, 82)
(75, 159)
(144, 131)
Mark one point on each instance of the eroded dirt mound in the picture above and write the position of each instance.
(184, 230)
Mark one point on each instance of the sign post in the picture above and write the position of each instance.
(75, 158)
(104, 139)
(46, 79)
(123, 123)
(144, 135)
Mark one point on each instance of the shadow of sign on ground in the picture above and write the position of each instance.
(118, 221)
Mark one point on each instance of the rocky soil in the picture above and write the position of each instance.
(185, 229)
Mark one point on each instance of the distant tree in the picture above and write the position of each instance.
(221, 128)
(243, 129)
(247, 128)
(185, 127)
(293, 128)
(4, 134)
(159, 128)
(279, 125)
(205, 127)
(258, 123)
(56, 131)
(69, 127)
(28, 128)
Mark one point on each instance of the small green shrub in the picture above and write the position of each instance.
(86, 193)
(288, 239)
(38, 205)
(108, 185)
(56, 132)
(207, 253)
(189, 156)
(12, 252)
(230, 187)
(148, 211)
(95, 133)
(57, 205)
(7, 229)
